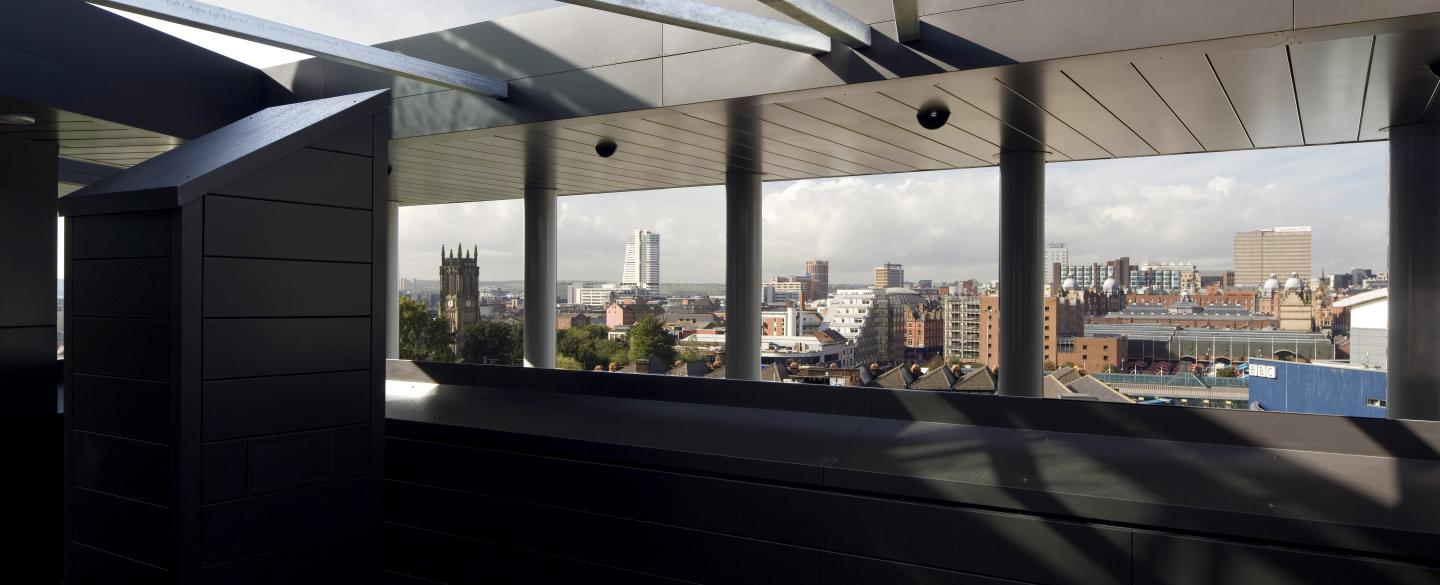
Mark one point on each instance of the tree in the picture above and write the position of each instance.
(424, 337)
(492, 342)
(565, 362)
(691, 351)
(590, 345)
(1225, 373)
(649, 340)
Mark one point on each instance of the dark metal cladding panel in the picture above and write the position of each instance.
(236, 287)
(270, 405)
(247, 467)
(235, 348)
(122, 526)
(424, 557)
(92, 566)
(1401, 84)
(326, 561)
(1259, 84)
(134, 409)
(27, 232)
(279, 520)
(1313, 13)
(320, 177)
(126, 348)
(1126, 95)
(123, 467)
(841, 569)
(123, 235)
(268, 229)
(1330, 81)
(356, 139)
(1180, 560)
(1189, 86)
(119, 287)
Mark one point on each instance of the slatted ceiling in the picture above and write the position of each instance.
(991, 97)
(790, 156)
(482, 178)
(571, 155)
(1070, 103)
(711, 143)
(444, 188)
(786, 141)
(646, 145)
(1401, 84)
(1189, 86)
(963, 116)
(1129, 98)
(880, 129)
(822, 129)
(1259, 84)
(643, 161)
(1330, 85)
(900, 115)
(617, 172)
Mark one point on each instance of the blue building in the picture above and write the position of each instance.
(1316, 388)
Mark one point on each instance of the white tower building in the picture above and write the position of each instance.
(642, 262)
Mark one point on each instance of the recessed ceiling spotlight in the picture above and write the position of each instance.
(17, 119)
(932, 115)
(605, 147)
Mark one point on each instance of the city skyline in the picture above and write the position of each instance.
(1184, 208)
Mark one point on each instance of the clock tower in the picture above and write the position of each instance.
(460, 288)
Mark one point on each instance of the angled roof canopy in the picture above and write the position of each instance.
(826, 18)
(241, 25)
(721, 21)
(220, 157)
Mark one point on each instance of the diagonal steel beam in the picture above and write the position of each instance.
(827, 18)
(266, 32)
(907, 20)
(721, 21)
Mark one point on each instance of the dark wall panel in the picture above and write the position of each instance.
(91, 566)
(120, 287)
(1179, 560)
(275, 521)
(28, 171)
(136, 409)
(124, 527)
(358, 139)
(124, 467)
(272, 347)
(313, 176)
(246, 467)
(327, 561)
(125, 235)
(267, 229)
(278, 288)
(127, 348)
(263, 406)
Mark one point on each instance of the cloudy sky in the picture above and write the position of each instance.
(943, 225)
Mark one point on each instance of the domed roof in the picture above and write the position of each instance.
(1293, 282)
(1068, 284)
(1271, 283)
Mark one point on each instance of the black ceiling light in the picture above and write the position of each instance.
(605, 147)
(932, 115)
(17, 119)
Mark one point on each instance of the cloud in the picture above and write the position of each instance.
(944, 225)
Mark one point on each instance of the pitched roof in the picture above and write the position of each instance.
(1053, 388)
(898, 378)
(1363, 298)
(693, 369)
(938, 378)
(980, 379)
(221, 157)
(1066, 374)
(1092, 386)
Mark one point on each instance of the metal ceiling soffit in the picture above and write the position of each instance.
(266, 32)
(826, 18)
(907, 20)
(717, 20)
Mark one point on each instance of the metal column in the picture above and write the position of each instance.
(1414, 329)
(392, 280)
(742, 274)
(1022, 303)
(540, 252)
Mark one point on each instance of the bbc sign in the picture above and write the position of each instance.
(1261, 371)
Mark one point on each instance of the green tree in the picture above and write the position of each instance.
(424, 337)
(691, 351)
(589, 345)
(649, 340)
(565, 362)
(492, 342)
(1225, 373)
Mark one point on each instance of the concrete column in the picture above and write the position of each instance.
(392, 280)
(742, 275)
(1414, 330)
(1022, 242)
(540, 252)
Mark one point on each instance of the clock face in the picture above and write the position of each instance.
(468, 303)
(450, 303)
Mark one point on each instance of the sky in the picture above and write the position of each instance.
(941, 225)
(944, 225)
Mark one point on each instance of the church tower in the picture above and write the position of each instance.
(460, 288)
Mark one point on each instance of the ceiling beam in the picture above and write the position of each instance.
(907, 20)
(827, 18)
(717, 20)
(266, 32)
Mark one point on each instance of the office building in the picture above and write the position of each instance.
(962, 327)
(1279, 250)
(819, 273)
(889, 276)
(1055, 253)
(642, 262)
